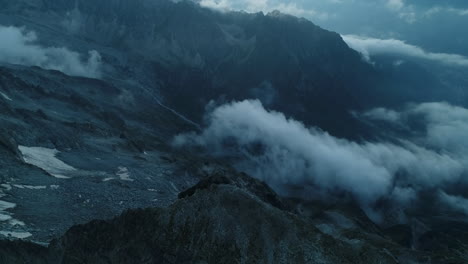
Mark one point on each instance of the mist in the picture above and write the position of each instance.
(20, 46)
(374, 46)
(284, 152)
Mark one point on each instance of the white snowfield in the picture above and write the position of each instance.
(46, 159)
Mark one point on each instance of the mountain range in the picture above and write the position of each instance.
(92, 94)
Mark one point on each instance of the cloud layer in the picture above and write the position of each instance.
(374, 46)
(283, 152)
(18, 46)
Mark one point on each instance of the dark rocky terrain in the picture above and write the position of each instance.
(75, 149)
(112, 153)
(230, 217)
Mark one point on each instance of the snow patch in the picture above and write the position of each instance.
(5, 216)
(46, 159)
(124, 174)
(5, 96)
(6, 186)
(16, 222)
(108, 179)
(19, 235)
(6, 205)
(30, 187)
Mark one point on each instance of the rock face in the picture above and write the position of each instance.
(227, 218)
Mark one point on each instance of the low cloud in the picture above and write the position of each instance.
(283, 152)
(446, 126)
(448, 10)
(382, 114)
(454, 202)
(374, 46)
(395, 4)
(254, 6)
(19, 46)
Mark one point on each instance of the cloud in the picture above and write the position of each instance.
(254, 6)
(283, 152)
(382, 114)
(446, 125)
(454, 202)
(450, 10)
(19, 46)
(374, 46)
(395, 4)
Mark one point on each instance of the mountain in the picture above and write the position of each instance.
(192, 55)
(88, 148)
(92, 94)
(230, 217)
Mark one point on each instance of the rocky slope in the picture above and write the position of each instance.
(229, 217)
(75, 149)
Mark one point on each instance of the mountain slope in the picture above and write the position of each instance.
(229, 217)
(190, 55)
(242, 224)
(75, 149)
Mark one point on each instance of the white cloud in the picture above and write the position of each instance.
(438, 9)
(395, 4)
(457, 203)
(266, 6)
(18, 46)
(224, 5)
(374, 46)
(284, 152)
(383, 114)
(447, 125)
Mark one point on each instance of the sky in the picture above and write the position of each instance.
(435, 26)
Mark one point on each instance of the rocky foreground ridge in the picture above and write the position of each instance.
(228, 217)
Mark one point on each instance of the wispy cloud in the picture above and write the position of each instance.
(395, 4)
(374, 46)
(252, 6)
(19, 46)
(450, 10)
